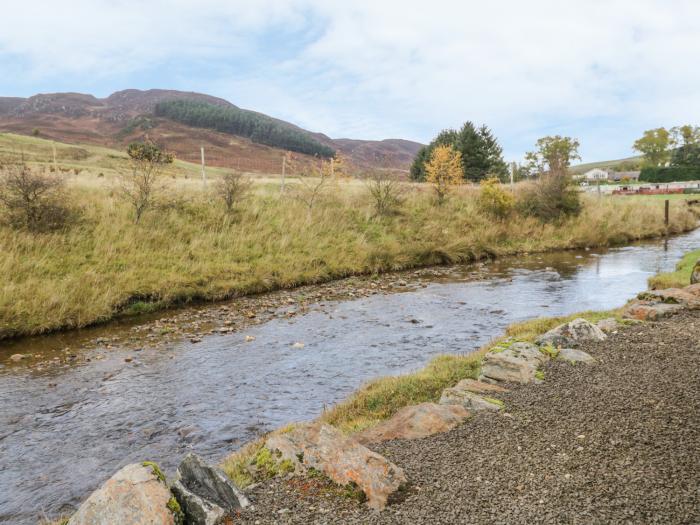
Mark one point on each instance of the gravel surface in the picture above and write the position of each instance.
(613, 442)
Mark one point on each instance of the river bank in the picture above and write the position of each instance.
(187, 250)
(217, 394)
(611, 442)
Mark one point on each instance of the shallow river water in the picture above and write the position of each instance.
(63, 431)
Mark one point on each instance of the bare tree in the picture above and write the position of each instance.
(232, 188)
(385, 189)
(141, 183)
(311, 188)
(31, 199)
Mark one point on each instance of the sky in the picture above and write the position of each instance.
(600, 71)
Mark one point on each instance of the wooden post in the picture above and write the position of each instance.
(666, 207)
(284, 168)
(204, 172)
(55, 165)
(512, 172)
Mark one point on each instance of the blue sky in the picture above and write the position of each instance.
(601, 71)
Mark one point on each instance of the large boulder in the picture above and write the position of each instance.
(693, 289)
(414, 422)
(672, 296)
(135, 495)
(608, 325)
(462, 394)
(650, 311)
(695, 274)
(206, 495)
(572, 355)
(341, 458)
(513, 363)
(572, 333)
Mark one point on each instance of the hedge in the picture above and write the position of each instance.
(671, 174)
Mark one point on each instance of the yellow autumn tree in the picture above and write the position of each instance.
(444, 170)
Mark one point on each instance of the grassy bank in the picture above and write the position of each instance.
(678, 278)
(190, 249)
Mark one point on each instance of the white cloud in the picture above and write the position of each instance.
(599, 70)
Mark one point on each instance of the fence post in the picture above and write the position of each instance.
(666, 207)
(204, 172)
(284, 167)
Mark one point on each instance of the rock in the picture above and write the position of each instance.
(479, 387)
(672, 296)
(249, 338)
(17, 357)
(469, 400)
(205, 493)
(298, 344)
(647, 311)
(516, 363)
(571, 333)
(135, 495)
(573, 355)
(693, 289)
(414, 422)
(341, 458)
(695, 274)
(608, 325)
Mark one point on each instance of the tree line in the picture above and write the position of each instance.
(235, 121)
(670, 154)
(480, 154)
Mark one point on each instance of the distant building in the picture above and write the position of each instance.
(618, 176)
(596, 174)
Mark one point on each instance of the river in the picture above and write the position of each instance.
(64, 430)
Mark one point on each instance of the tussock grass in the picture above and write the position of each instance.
(190, 249)
(533, 328)
(381, 398)
(678, 278)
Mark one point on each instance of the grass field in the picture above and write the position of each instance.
(188, 248)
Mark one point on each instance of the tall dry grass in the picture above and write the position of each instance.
(189, 248)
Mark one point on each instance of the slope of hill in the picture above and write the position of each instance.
(630, 163)
(129, 115)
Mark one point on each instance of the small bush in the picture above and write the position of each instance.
(232, 188)
(494, 200)
(549, 198)
(385, 190)
(32, 200)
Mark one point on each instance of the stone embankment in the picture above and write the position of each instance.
(586, 423)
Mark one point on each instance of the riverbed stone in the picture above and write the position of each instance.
(573, 355)
(414, 422)
(343, 459)
(514, 363)
(572, 333)
(479, 387)
(17, 357)
(205, 493)
(693, 289)
(650, 311)
(695, 274)
(135, 495)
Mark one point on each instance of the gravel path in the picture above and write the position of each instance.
(614, 442)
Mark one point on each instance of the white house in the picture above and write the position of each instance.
(596, 174)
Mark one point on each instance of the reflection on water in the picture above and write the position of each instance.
(62, 432)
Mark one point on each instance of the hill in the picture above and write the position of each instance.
(629, 163)
(133, 114)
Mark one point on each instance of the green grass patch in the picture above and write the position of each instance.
(678, 278)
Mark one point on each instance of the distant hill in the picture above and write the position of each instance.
(133, 114)
(626, 164)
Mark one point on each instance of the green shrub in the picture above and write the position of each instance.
(670, 174)
(549, 198)
(494, 200)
